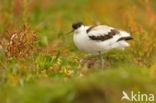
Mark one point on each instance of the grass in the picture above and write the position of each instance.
(39, 62)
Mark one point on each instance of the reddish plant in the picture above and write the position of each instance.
(21, 43)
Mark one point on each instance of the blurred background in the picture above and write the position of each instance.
(40, 64)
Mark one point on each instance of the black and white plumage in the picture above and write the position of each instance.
(99, 38)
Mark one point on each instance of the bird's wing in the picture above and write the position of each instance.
(101, 32)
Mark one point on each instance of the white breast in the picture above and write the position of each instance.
(84, 43)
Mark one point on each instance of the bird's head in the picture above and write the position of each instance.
(77, 25)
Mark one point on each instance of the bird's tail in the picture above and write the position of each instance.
(124, 36)
(121, 41)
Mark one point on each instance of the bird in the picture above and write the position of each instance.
(98, 39)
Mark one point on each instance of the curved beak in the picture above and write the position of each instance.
(70, 32)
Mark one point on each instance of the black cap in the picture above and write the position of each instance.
(76, 25)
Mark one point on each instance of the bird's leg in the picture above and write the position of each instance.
(101, 60)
